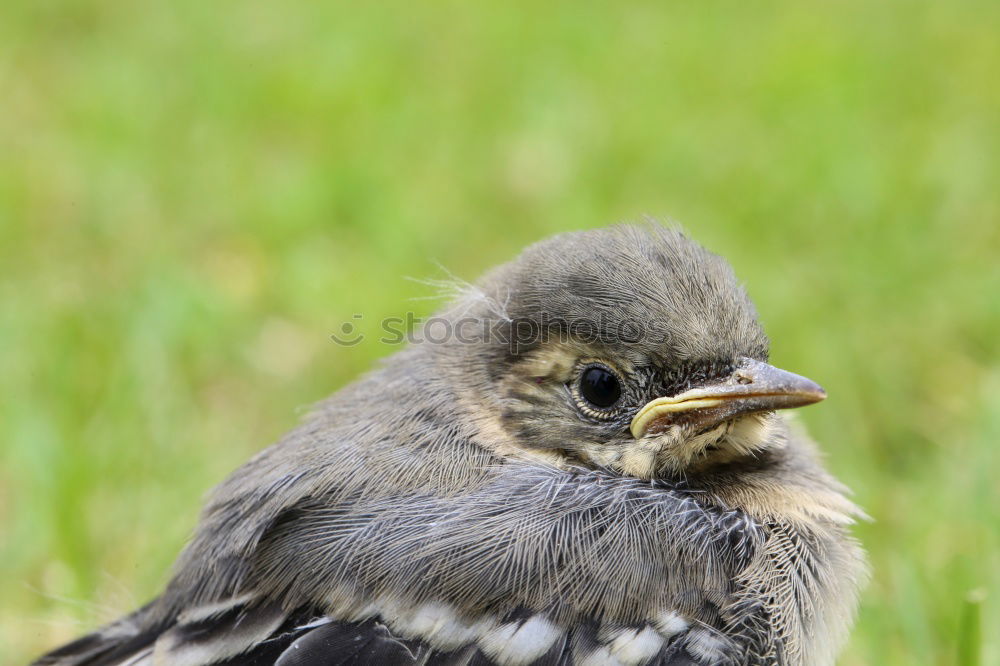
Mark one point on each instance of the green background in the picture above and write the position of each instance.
(194, 196)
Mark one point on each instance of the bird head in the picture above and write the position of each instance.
(630, 348)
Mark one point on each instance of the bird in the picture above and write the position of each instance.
(582, 458)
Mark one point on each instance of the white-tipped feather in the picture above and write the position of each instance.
(176, 647)
(634, 647)
(669, 623)
(520, 643)
(438, 625)
(599, 657)
(707, 646)
(205, 611)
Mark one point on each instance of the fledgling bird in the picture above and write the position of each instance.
(582, 465)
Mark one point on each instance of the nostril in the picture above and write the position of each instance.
(743, 379)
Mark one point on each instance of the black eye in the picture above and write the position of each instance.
(599, 386)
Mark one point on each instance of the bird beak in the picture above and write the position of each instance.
(752, 387)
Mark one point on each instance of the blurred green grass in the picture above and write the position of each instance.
(193, 196)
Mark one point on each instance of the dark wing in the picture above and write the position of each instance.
(263, 635)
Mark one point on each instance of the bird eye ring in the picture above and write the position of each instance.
(597, 390)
